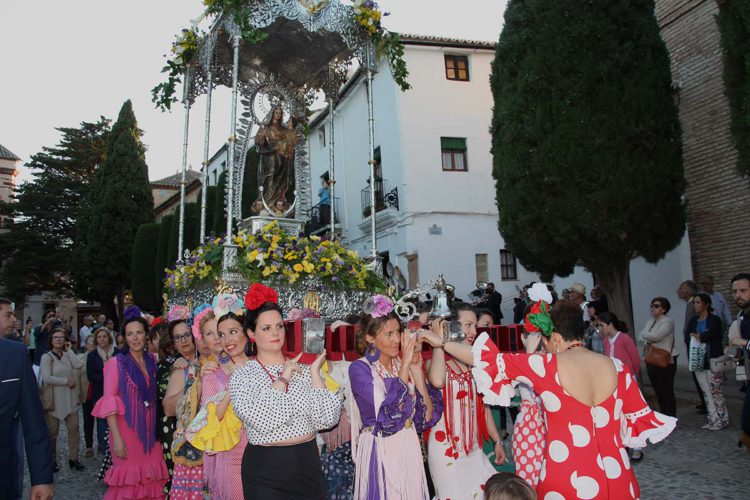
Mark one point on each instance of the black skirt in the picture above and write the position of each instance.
(282, 472)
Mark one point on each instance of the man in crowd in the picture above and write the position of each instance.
(101, 319)
(741, 293)
(21, 408)
(85, 330)
(718, 302)
(577, 294)
(686, 291)
(494, 302)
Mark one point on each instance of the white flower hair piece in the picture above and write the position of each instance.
(539, 291)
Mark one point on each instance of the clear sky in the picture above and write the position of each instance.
(63, 62)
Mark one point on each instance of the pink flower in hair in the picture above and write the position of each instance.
(378, 306)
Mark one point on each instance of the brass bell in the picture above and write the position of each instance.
(441, 307)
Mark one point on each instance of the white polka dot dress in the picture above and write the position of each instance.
(584, 454)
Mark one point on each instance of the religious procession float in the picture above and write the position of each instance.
(278, 57)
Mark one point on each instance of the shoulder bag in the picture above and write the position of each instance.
(47, 392)
(656, 356)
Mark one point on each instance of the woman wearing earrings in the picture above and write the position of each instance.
(129, 405)
(216, 429)
(282, 404)
(393, 404)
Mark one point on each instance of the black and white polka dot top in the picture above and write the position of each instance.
(271, 415)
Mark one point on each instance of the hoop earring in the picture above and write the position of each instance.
(372, 353)
(224, 357)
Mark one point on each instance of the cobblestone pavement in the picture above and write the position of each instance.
(692, 463)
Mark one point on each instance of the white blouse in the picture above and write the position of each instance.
(271, 415)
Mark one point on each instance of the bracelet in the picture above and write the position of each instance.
(442, 344)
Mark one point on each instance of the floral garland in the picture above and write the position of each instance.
(368, 15)
(276, 257)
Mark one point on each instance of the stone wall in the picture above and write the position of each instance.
(718, 196)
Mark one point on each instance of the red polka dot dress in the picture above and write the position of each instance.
(529, 437)
(585, 455)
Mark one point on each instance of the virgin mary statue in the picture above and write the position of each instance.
(276, 142)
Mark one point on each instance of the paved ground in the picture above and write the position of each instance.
(691, 464)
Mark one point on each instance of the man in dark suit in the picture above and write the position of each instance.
(20, 404)
(494, 302)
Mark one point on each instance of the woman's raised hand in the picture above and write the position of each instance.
(291, 367)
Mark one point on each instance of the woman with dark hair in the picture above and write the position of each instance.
(659, 334)
(706, 327)
(129, 404)
(283, 404)
(617, 343)
(593, 406)
(393, 405)
(457, 463)
(95, 372)
(58, 366)
(182, 470)
(216, 429)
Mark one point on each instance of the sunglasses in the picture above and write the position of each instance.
(654, 306)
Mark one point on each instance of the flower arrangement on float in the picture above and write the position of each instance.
(366, 15)
(276, 257)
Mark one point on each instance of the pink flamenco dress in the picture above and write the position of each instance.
(584, 455)
(132, 397)
(222, 441)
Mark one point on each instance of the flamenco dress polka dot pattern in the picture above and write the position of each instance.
(529, 437)
(585, 455)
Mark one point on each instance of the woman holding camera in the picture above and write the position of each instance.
(283, 404)
(58, 366)
(393, 405)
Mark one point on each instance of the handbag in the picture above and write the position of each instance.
(722, 364)
(657, 357)
(697, 355)
(48, 397)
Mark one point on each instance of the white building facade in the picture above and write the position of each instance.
(434, 186)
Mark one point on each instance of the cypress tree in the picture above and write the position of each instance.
(165, 227)
(586, 140)
(192, 226)
(211, 194)
(734, 24)
(142, 273)
(120, 201)
(250, 182)
(172, 256)
(219, 224)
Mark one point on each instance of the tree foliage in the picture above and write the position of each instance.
(734, 24)
(38, 249)
(165, 228)
(120, 200)
(586, 139)
(145, 247)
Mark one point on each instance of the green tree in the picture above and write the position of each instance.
(39, 249)
(586, 140)
(165, 228)
(250, 183)
(734, 24)
(211, 194)
(120, 200)
(219, 223)
(192, 226)
(142, 273)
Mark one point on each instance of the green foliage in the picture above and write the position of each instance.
(211, 194)
(191, 237)
(250, 182)
(120, 200)
(734, 24)
(389, 46)
(585, 136)
(165, 227)
(39, 248)
(174, 234)
(145, 248)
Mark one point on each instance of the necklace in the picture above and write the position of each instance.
(574, 345)
(273, 378)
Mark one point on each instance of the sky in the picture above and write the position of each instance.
(64, 62)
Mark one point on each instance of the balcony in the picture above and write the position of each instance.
(320, 220)
(383, 199)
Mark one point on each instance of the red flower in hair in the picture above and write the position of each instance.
(157, 321)
(258, 294)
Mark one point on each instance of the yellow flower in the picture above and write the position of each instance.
(252, 255)
(325, 259)
(266, 271)
(309, 268)
(298, 267)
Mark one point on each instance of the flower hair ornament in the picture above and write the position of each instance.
(226, 303)
(539, 291)
(538, 320)
(157, 321)
(198, 314)
(132, 312)
(258, 294)
(178, 313)
(378, 306)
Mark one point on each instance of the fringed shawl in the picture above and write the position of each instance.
(139, 397)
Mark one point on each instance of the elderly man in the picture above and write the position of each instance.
(21, 408)
(718, 302)
(577, 294)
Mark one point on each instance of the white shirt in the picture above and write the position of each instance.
(83, 334)
(585, 309)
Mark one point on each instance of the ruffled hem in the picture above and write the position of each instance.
(489, 373)
(217, 435)
(108, 405)
(146, 480)
(653, 427)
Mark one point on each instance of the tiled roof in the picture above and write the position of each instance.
(174, 180)
(442, 41)
(7, 154)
